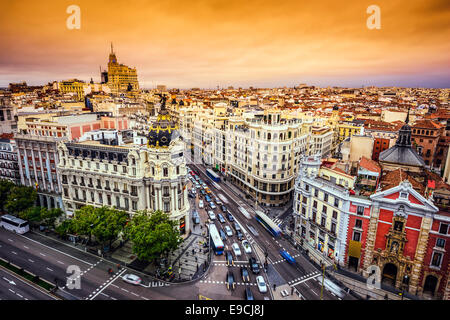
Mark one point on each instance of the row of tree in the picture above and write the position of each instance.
(152, 233)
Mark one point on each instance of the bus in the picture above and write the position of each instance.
(268, 224)
(12, 223)
(216, 240)
(245, 212)
(287, 256)
(214, 176)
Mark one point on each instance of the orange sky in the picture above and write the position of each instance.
(240, 43)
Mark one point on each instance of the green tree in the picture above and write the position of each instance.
(152, 234)
(48, 217)
(5, 189)
(65, 227)
(111, 222)
(84, 221)
(32, 214)
(20, 199)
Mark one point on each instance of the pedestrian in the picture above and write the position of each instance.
(274, 287)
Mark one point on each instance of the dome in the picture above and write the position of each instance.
(164, 130)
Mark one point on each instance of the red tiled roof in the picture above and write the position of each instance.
(427, 124)
(393, 179)
(369, 164)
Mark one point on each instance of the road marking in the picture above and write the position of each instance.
(60, 262)
(110, 283)
(42, 254)
(26, 247)
(12, 291)
(31, 260)
(66, 254)
(13, 252)
(10, 240)
(49, 269)
(314, 292)
(134, 294)
(19, 295)
(104, 294)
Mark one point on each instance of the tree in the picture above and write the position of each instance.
(5, 188)
(111, 222)
(32, 214)
(152, 234)
(84, 221)
(19, 199)
(65, 227)
(48, 217)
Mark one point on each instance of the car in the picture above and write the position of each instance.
(236, 249)
(228, 231)
(211, 215)
(262, 287)
(197, 178)
(191, 195)
(230, 216)
(221, 218)
(249, 294)
(217, 200)
(231, 283)
(239, 235)
(254, 266)
(197, 186)
(195, 217)
(204, 185)
(223, 208)
(200, 204)
(132, 278)
(244, 274)
(212, 205)
(207, 198)
(236, 226)
(222, 234)
(194, 191)
(246, 246)
(203, 192)
(229, 257)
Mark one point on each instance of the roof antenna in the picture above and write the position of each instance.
(407, 117)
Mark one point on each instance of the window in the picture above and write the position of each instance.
(336, 202)
(360, 210)
(440, 243)
(166, 172)
(333, 227)
(356, 236)
(316, 193)
(324, 209)
(325, 197)
(436, 259)
(335, 215)
(115, 168)
(443, 229)
(305, 200)
(315, 204)
(358, 223)
(134, 205)
(323, 221)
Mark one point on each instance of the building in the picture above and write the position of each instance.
(9, 167)
(425, 138)
(321, 141)
(8, 118)
(262, 156)
(121, 78)
(111, 170)
(77, 87)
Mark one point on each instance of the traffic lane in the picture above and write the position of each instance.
(50, 264)
(46, 265)
(19, 289)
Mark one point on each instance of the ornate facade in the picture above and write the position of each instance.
(121, 78)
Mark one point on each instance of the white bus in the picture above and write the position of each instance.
(12, 223)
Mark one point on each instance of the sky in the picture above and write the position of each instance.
(210, 43)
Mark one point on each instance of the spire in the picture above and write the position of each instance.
(112, 50)
(407, 116)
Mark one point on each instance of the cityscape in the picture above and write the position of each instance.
(116, 186)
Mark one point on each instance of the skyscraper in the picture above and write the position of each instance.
(121, 78)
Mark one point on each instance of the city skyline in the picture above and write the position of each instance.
(209, 44)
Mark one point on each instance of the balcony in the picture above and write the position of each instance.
(116, 190)
(125, 191)
(107, 188)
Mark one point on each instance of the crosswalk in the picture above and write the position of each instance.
(277, 221)
(306, 277)
(223, 282)
(283, 260)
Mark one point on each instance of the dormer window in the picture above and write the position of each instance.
(403, 195)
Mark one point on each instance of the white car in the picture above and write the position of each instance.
(211, 214)
(132, 278)
(194, 191)
(262, 287)
(247, 247)
(212, 205)
(200, 204)
(228, 231)
(236, 249)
